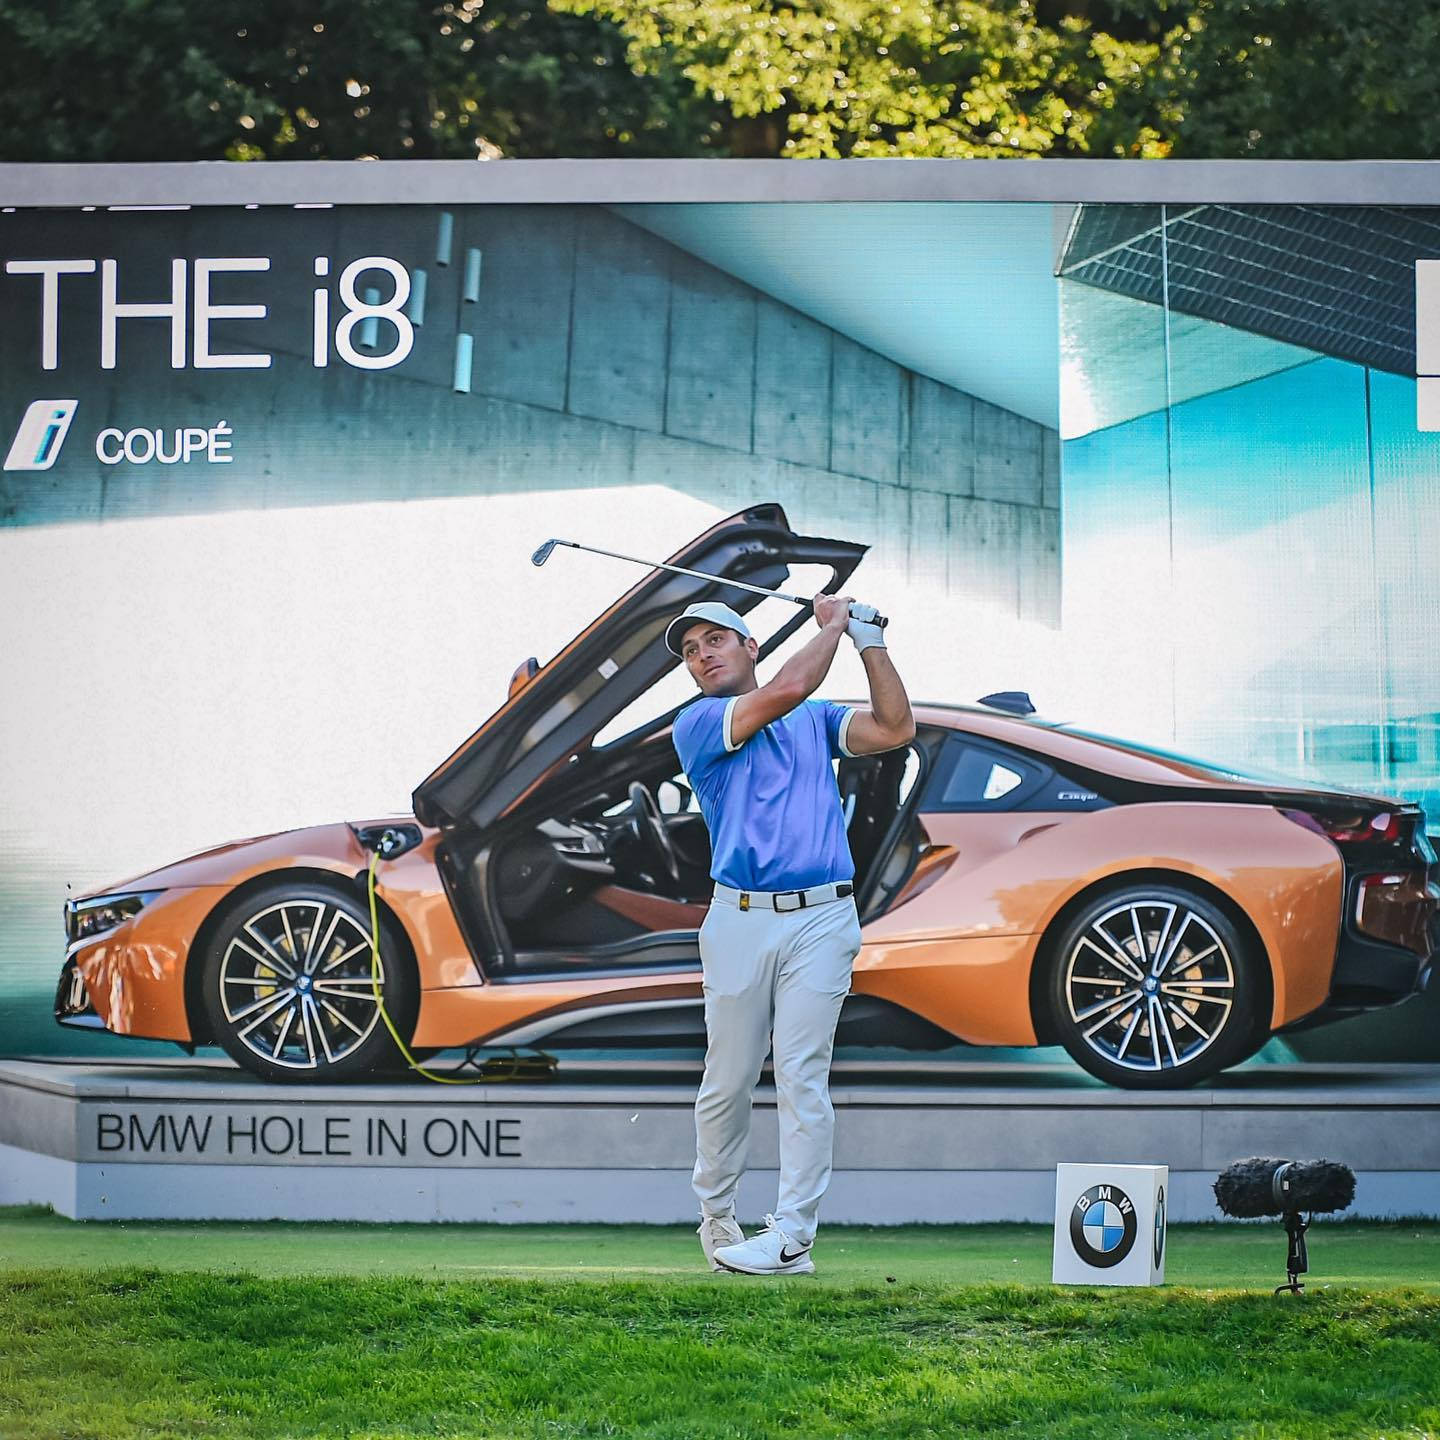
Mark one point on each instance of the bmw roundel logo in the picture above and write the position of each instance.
(1158, 1249)
(1102, 1226)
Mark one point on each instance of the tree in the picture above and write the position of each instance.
(1303, 79)
(305, 79)
(338, 79)
(907, 77)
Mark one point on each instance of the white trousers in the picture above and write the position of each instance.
(785, 972)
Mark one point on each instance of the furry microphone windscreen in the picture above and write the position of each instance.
(1260, 1186)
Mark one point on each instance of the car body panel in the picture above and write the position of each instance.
(134, 974)
(323, 847)
(1012, 874)
(977, 988)
(519, 1013)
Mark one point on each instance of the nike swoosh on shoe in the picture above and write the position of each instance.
(786, 1259)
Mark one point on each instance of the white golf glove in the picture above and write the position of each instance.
(861, 631)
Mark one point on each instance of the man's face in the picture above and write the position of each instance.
(720, 659)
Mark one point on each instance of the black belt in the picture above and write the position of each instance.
(794, 899)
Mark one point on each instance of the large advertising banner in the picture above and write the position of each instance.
(274, 475)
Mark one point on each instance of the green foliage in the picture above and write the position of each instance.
(272, 79)
(910, 77)
(334, 79)
(1303, 79)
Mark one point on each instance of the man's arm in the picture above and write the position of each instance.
(888, 723)
(797, 678)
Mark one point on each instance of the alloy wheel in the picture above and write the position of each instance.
(1149, 985)
(295, 984)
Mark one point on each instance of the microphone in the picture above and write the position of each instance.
(1260, 1186)
(1271, 1187)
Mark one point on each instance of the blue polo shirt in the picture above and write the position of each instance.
(770, 803)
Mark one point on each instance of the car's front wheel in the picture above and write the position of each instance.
(288, 988)
(1154, 987)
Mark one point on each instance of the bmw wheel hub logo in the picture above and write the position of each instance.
(1102, 1226)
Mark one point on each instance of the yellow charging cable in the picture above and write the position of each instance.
(517, 1060)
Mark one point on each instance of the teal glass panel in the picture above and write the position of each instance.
(1115, 502)
(1115, 517)
(1407, 567)
(1255, 537)
(1276, 635)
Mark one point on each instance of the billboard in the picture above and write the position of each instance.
(275, 469)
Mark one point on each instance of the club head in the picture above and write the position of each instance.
(543, 553)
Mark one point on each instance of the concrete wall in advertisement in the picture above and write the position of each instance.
(548, 347)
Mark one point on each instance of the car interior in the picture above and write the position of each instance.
(607, 865)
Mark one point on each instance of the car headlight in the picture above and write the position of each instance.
(85, 918)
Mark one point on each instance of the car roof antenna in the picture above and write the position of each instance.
(1013, 702)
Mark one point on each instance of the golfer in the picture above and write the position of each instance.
(782, 931)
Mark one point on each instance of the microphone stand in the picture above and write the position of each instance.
(1297, 1262)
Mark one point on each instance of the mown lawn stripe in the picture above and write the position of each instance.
(1364, 1253)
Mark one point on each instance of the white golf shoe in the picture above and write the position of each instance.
(771, 1252)
(717, 1230)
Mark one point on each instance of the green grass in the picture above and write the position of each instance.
(1219, 1255)
(122, 1330)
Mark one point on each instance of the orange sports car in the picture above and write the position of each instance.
(1019, 883)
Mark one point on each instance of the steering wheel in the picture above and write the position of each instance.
(650, 828)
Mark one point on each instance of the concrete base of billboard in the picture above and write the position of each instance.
(614, 1142)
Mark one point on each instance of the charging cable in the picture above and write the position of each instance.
(521, 1067)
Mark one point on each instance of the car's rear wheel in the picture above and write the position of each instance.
(288, 989)
(1154, 987)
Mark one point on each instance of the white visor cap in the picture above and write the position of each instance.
(711, 610)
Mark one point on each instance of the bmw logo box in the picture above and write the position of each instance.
(1110, 1224)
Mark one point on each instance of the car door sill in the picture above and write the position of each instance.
(596, 972)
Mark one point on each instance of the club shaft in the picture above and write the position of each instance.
(681, 570)
(879, 620)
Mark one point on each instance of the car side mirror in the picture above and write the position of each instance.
(525, 672)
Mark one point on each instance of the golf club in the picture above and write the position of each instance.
(865, 613)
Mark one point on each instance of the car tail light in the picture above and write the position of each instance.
(1387, 860)
(1355, 830)
(1381, 829)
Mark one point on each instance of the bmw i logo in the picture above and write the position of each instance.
(1158, 1249)
(1102, 1226)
